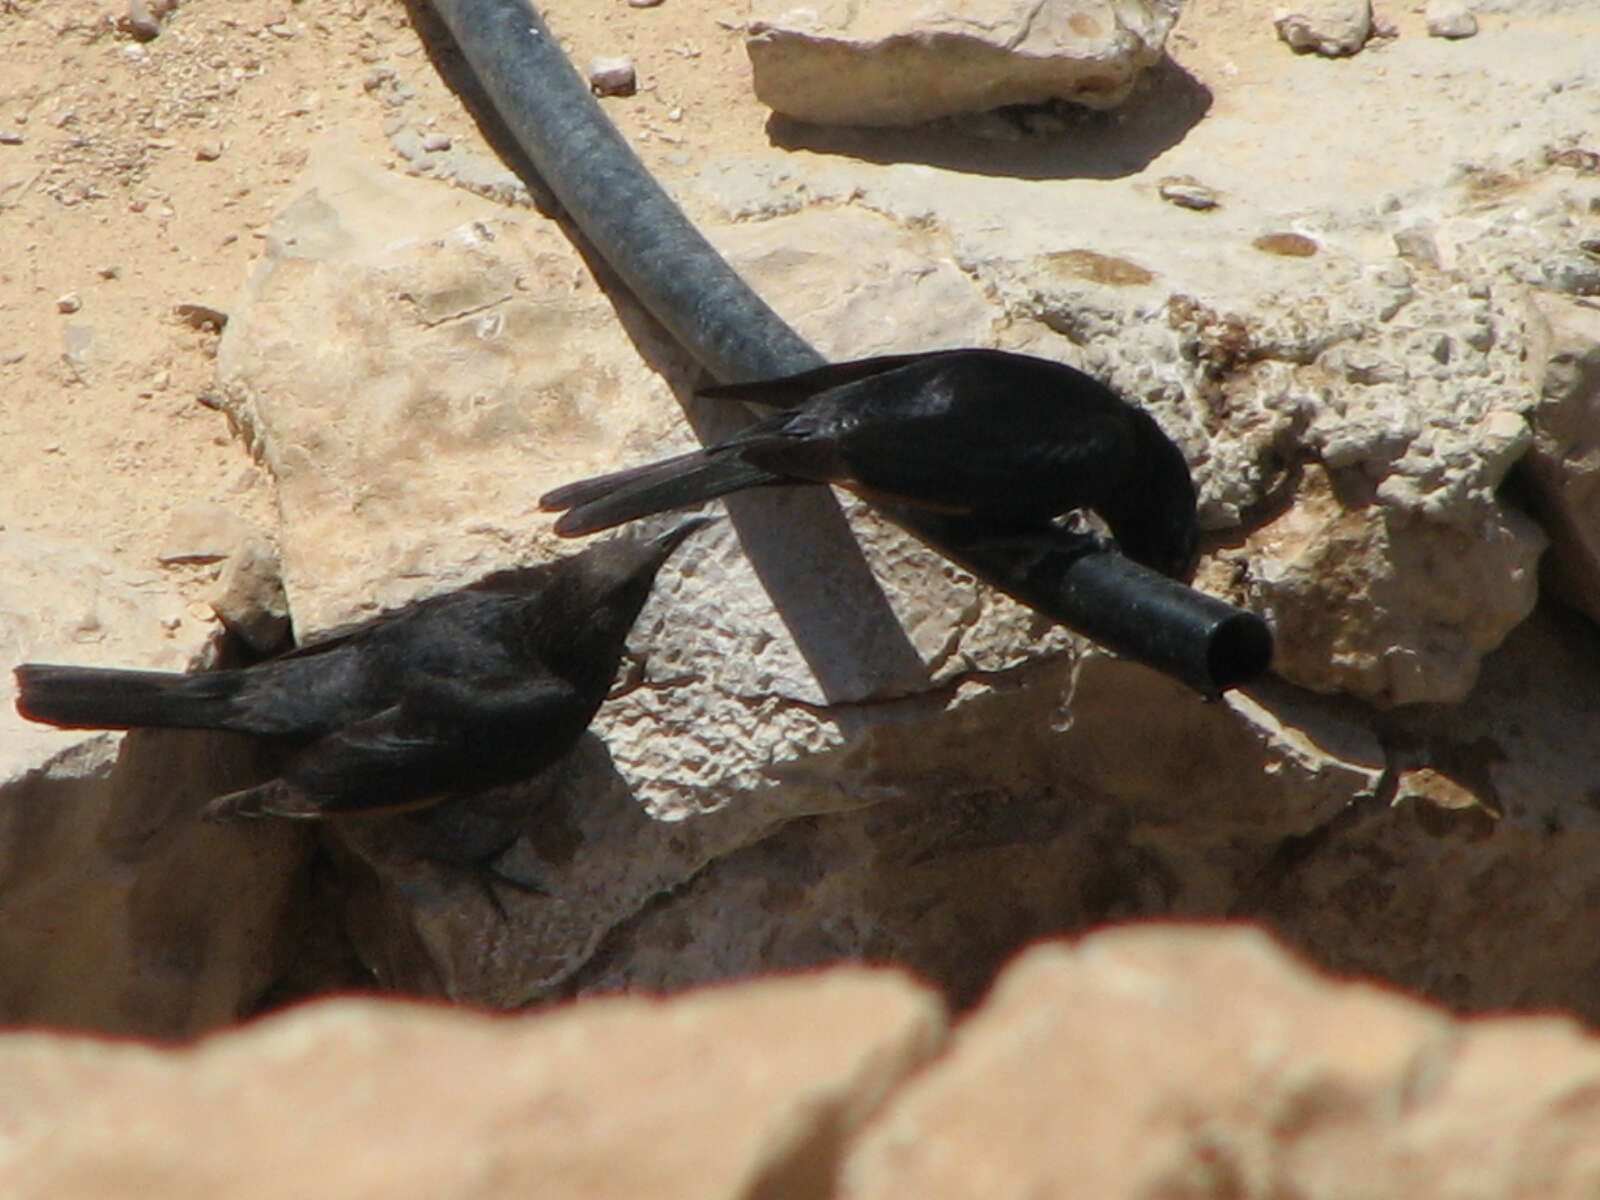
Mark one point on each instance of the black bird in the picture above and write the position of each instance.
(459, 692)
(1010, 440)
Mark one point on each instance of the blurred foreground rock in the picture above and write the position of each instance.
(752, 1091)
(1139, 1061)
(909, 61)
(1154, 1062)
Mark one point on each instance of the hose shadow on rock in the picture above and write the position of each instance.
(1054, 140)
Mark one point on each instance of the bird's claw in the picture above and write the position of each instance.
(484, 871)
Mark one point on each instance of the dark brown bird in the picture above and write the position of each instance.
(1009, 440)
(455, 693)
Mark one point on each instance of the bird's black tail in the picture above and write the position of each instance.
(106, 698)
(689, 479)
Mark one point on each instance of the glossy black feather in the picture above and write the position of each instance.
(1012, 440)
(455, 693)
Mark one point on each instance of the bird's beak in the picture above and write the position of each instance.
(675, 537)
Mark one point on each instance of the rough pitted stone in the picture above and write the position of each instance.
(1496, 844)
(1389, 604)
(838, 62)
(727, 1093)
(1564, 467)
(379, 363)
(730, 816)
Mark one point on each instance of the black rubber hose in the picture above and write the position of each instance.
(686, 285)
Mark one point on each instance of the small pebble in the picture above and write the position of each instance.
(1287, 245)
(1186, 192)
(141, 22)
(68, 303)
(1450, 19)
(10, 137)
(613, 77)
(200, 316)
(434, 142)
(1331, 28)
(111, 272)
(208, 151)
(1417, 243)
(643, 3)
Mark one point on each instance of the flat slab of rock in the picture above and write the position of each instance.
(901, 62)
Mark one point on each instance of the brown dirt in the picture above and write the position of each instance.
(139, 176)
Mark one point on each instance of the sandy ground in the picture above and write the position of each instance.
(136, 177)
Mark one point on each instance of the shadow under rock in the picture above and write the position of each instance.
(1053, 140)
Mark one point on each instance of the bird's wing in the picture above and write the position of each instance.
(440, 738)
(790, 391)
(970, 463)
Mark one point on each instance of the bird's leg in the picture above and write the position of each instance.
(482, 866)
(1024, 546)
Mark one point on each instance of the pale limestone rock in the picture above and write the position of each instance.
(203, 532)
(1160, 1061)
(1386, 604)
(1392, 580)
(1332, 28)
(1450, 19)
(1564, 467)
(118, 910)
(730, 1093)
(250, 600)
(838, 62)
(1052, 798)
(613, 75)
(416, 366)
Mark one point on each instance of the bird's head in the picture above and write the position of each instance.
(612, 580)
